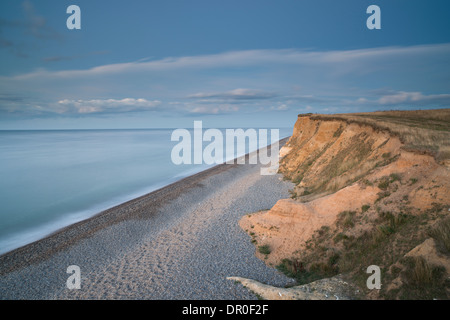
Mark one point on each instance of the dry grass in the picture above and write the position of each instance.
(422, 272)
(425, 131)
(422, 280)
(354, 243)
(441, 233)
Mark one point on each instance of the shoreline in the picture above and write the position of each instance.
(140, 211)
(103, 219)
(112, 210)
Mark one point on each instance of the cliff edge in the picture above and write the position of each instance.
(370, 189)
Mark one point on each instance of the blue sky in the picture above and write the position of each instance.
(145, 64)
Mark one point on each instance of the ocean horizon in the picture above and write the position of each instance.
(51, 179)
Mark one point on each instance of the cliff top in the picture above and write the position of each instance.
(423, 131)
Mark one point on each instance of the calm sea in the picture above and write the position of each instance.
(51, 179)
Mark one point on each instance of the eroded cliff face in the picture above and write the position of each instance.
(324, 156)
(357, 193)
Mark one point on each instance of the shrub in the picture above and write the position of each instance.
(296, 269)
(264, 249)
(386, 229)
(340, 236)
(441, 234)
(393, 221)
(394, 177)
(422, 280)
(420, 273)
(321, 268)
(306, 192)
(382, 195)
(345, 218)
(333, 260)
(384, 184)
(323, 230)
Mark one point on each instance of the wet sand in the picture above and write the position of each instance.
(179, 242)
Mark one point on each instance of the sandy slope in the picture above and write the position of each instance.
(340, 168)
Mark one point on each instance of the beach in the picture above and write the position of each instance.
(179, 242)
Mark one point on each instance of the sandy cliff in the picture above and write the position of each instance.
(360, 198)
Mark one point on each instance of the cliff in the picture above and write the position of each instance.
(365, 194)
(323, 156)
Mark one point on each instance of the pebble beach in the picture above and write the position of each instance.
(179, 242)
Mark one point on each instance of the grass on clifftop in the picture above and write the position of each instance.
(420, 130)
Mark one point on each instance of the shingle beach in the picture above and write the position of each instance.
(179, 242)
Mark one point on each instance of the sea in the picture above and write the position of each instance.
(50, 179)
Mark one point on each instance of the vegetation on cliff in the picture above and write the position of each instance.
(370, 189)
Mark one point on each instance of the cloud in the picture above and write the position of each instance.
(403, 97)
(236, 94)
(400, 97)
(68, 58)
(213, 109)
(105, 106)
(10, 98)
(392, 99)
(324, 99)
(264, 80)
(282, 107)
(309, 65)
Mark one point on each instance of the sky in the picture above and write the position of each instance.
(228, 63)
